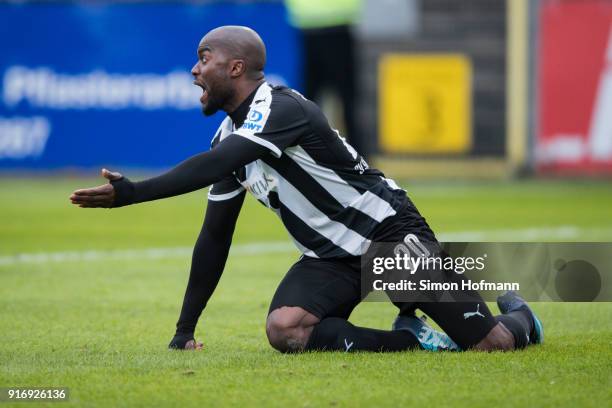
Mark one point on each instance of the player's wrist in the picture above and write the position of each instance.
(124, 192)
(180, 340)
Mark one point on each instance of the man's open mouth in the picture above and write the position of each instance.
(204, 97)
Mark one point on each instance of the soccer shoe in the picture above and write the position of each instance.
(510, 302)
(430, 339)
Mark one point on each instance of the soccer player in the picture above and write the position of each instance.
(279, 147)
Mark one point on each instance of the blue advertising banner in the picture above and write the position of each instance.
(86, 85)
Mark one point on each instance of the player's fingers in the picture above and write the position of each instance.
(104, 204)
(101, 198)
(93, 190)
(111, 175)
(92, 205)
(80, 195)
(93, 196)
(193, 345)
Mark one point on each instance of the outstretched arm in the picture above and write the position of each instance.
(197, 172)
(208, 261)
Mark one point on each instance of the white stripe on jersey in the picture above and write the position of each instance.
(336, 232)
(326, 177)
(391, 183)
(367, 203)
(374, 206)
(225, 129)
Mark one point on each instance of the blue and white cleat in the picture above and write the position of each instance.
(430, 339)
(511, 302)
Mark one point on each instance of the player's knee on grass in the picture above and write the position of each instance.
(289, 328)
(498, 339)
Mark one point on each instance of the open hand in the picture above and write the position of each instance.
(193, 345)
(97, 197)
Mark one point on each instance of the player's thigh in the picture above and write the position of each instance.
(324, 288)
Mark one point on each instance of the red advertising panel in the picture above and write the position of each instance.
(575, 80)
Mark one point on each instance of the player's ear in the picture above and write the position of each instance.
(237, 68)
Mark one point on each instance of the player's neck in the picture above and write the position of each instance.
(243, 91)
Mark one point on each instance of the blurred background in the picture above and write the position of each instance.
(494, 115)
(424, 88)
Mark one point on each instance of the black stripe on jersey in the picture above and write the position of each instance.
(376, 185)
(241, 174)
(360, 182)
(308, 237)
(324, 201)
(397, 199)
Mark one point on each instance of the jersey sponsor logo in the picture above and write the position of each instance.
(261, 186)
(471, 314)
(251, 126)
(258, 182)
(255, 116)
(362, 166)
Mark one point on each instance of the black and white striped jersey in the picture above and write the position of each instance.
(326, 195)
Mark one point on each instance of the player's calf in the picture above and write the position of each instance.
(293, 329)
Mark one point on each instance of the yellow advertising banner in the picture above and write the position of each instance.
(425, 103)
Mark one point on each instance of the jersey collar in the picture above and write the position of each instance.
(239, 115)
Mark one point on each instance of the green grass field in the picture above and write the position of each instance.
(99, 322)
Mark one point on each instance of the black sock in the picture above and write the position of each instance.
(334, 333)
(520, 324)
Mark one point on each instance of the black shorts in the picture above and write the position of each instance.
(332, 287)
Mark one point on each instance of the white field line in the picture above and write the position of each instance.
(512, 235)
(270, 247)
